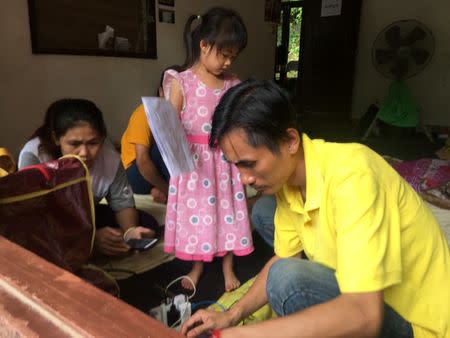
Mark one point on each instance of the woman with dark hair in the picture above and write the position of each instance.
(76, 126)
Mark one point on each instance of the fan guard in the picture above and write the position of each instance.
(403, 49)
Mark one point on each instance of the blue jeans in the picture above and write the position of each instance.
(263, 213)
(138, 183)
(295, 284)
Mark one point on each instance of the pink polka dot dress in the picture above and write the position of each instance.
(206, 209)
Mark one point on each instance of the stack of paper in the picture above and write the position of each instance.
(169, 135)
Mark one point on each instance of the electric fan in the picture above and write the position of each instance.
(401, 50)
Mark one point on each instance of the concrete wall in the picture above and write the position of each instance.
(29, 83)
(431, 87)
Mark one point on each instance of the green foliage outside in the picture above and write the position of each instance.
(294, 37)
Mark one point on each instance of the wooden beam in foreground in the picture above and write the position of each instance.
(38, 299)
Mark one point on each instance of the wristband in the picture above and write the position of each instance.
(215, 333)
(127, 231)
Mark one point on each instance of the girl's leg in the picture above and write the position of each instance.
(195, 273)
(231, 281)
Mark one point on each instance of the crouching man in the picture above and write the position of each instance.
(378, 263)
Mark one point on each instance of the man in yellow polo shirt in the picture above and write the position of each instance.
(146, 171)
(378, 263)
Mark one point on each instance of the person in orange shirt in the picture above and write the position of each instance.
(145, 168)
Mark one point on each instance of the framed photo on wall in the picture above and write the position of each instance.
(166, 16)
(170, 3)
(100, 27)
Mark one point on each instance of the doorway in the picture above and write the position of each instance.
(315, 55)
(287, 57)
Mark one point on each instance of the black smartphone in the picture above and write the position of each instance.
(141, 243)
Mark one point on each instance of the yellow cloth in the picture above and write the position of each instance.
(228, 299)
(137, 132)
(7, 163)
(364, 221)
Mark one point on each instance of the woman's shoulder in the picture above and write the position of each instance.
(105, 168)
(30, 154)
(109, 152)
(31, 146)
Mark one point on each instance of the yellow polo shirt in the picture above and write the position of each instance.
(362, 220)
(137, 132)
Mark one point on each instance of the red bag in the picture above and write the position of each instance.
(48, 209)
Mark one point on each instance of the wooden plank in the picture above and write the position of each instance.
(38, 298)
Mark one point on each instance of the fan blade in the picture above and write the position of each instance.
(420, 55)
(400, 68)
(392, 36)
(416, 34)
(383, 56)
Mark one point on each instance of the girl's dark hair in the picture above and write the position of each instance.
(219, 27)
(63, 115)
(261, 108)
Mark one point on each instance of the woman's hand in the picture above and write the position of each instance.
(138, 232)
(109, 241)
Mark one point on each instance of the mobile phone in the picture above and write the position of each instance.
(141, 243)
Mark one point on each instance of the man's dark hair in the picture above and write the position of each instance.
(261, 108)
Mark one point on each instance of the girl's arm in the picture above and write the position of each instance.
(176, 96)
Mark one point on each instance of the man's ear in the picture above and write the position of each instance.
(294, 140)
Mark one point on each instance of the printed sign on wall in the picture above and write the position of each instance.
(331, 7)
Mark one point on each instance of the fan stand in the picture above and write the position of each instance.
(421, 126)
(393, 52)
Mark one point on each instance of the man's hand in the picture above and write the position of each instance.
(205, 320)
(158, 195)
(109, 241)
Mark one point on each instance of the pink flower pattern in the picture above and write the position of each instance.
(206, 209)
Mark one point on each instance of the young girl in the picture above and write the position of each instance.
(207, 213)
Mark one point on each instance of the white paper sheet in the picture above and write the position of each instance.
(331, 7)
(169, 135)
